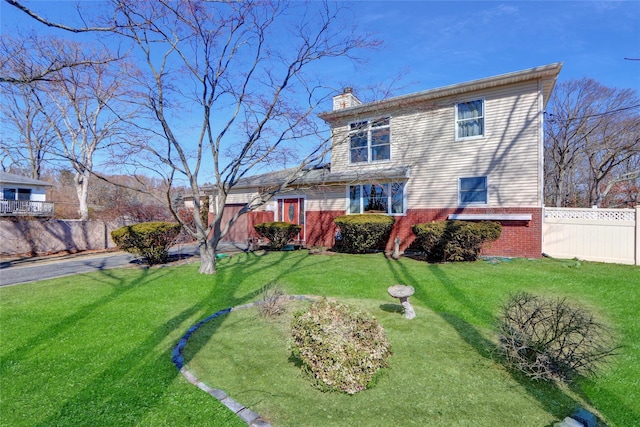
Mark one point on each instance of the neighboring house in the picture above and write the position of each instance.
(22, 196)
(470, 151)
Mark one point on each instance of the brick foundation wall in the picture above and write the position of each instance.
(518, 238)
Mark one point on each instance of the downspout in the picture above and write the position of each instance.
(541, 158)
(637, 245)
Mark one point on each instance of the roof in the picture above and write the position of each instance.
(547, 73)
(321, 175)
(10, 178)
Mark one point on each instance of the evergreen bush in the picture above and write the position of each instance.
(364, 232)
(341, 346)
(450, 241)
(150, 240)
(279, 234)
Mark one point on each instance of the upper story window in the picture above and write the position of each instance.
(473, 191)
(376, 198)
(370, 141)
(16, 194)
(470, 119)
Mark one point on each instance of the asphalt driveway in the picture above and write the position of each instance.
(15, 271)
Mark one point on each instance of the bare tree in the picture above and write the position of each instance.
(609, 152)
(591, 135)
(227, 93)
(18, 66)
(28, 137)
(90, 102)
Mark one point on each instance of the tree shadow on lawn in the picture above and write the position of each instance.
(65, 323)
(551, 397)
(131, 383)
(233, 276)
(129, 386)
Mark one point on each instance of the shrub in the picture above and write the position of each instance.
(278, 233)
(550, 339)
(430, 239)
(364, 232)
(150, 240)
(446, 241)
(273, 301)
(342, 347)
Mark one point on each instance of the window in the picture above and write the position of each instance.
(470, 119)
(9, 194)
(376, 198)
(473, 190)
(370, 141)
(24, 194)
(16, 194)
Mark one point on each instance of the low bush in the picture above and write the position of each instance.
(551, 339)
(450, 241)
(364, 232)
(273, 302)
(278, 233)
(341, 346)
(150, 240)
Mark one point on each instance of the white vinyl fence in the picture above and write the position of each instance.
(606, 235)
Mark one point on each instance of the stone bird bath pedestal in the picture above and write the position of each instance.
(403, 292)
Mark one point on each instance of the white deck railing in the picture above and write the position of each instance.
(25, 208)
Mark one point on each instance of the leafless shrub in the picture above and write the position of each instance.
(551, 339)
(273, 301)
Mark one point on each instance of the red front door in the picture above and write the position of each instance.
(292, 210)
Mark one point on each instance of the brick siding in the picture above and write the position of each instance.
(518, 238)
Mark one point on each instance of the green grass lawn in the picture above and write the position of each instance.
(95, 349)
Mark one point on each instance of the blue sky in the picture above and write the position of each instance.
(436, 43)
(440, 43)
(428, 44)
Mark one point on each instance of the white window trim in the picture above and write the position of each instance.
(404, 199)
(484, 120)
(17, 192)
(460, 203)
(369, 161)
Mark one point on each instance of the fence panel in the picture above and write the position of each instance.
(44, 236)
(605, 235)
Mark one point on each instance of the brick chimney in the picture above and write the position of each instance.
(345, 100)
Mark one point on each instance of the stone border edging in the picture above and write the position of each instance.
(246, 414)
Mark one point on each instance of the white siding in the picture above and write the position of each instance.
(38, 194)
(423, 137)
(240, 196)
(326, 198)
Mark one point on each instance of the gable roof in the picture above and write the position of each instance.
(321, 175)
(546, 73)
(10, 178)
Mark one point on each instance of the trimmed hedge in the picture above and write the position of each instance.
(278, 233)
(364, 232)
(341, 346)
(150, 240)
(446, 241)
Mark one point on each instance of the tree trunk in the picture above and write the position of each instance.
(207, 257)
(81, 181)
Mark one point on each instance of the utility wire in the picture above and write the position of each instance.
(598, 114)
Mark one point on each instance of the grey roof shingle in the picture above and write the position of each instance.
(10, 178)
(323, 175)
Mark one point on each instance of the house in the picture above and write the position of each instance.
(469, 151)
(22, 196)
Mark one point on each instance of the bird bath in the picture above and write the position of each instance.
(403, 292)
